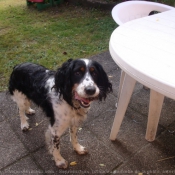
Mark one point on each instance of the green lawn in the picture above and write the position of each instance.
(51, 36)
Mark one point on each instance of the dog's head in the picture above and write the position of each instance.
(82, 80)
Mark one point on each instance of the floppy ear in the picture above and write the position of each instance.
(63, 84)
(103, 82)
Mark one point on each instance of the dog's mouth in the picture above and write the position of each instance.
(84, 102)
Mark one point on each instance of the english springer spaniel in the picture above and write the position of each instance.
(64, 95)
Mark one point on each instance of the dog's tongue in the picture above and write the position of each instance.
(85, 100)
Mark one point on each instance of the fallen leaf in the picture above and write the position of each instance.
(39, 123)
(73, 163)
(101, 164)
(30, 129)
(166, 159)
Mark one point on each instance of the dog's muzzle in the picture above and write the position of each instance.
(84, 102)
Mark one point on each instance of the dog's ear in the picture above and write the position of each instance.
(63, 84)
(103, 82)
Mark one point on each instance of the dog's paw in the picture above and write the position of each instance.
(62, 164)
(24, 123)
(81, 149)
(30, 111)
(24, 126)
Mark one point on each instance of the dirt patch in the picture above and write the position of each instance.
(4, 31)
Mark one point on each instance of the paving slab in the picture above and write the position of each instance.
(2, 98)
(24, 166)
(11, 148)
(8, 106)
(2, 117)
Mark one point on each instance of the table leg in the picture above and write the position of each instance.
(124, 98)
(155, 106)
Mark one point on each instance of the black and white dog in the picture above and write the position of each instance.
(64, 95)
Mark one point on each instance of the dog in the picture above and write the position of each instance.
(64, 95)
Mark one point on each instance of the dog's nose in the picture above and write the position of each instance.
(90, 90)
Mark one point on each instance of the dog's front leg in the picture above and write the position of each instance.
(73, 137)
(59, 160)
(53, 136)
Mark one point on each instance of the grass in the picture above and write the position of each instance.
(49, 37)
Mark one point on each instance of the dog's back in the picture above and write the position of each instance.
(30, 80)
(29, 77)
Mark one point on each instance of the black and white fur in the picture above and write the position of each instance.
(64, 95)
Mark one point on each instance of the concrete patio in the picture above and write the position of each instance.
(25, 153)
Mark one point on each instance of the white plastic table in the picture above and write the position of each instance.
(145, 50)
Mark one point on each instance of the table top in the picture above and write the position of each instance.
(145, 49)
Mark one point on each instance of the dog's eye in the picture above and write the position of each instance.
(93, 72)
